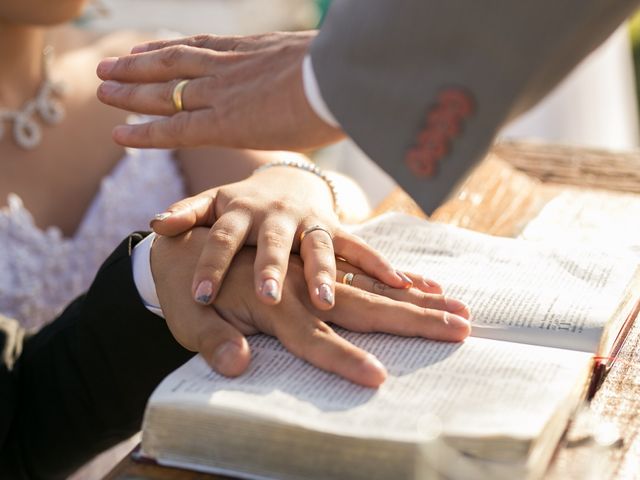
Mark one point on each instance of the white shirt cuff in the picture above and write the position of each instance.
(142, 276)
(314, 97)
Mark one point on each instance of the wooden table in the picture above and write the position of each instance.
(504, 193)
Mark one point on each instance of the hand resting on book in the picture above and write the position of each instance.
(217, 332)
(270, 209)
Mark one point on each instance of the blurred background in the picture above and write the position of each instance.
(596, 106)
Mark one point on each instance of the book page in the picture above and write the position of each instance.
(520, 291)
(589, 217)
(479, 388)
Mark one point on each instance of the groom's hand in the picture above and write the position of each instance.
(243, 92)
(218, 332)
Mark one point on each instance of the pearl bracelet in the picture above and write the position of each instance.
(309, 167)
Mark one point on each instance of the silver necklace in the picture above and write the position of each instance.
(27, 132)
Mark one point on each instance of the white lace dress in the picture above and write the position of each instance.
(41, 271)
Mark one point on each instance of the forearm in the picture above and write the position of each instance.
(83, 381)
(210, 167)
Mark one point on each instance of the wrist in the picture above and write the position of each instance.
(309, 168)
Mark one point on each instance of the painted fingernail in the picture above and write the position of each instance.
(226, 356)
(106, 65)
(325, 293)
(270, 289)
(204, 292)
(454, 305)
(372, 367)
(160, 217)
(407, 281)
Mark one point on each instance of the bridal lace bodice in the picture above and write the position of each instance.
(41, 271)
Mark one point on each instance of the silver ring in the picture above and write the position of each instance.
(348, 278)
(314, 228)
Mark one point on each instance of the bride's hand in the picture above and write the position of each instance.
(218, 332)
(270, 210)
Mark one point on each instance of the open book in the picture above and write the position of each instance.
(493, 406)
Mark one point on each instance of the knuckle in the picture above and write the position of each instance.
(130, 93)
(127, 64)
(146, 130)
(310, 343)
(170, 56)
(323, 242)
(318, 336)
(201, 40)
(149, 130)
(223, 238)
(324, 272)
(240, 204)
(274, 240)
(428, 300)
(279, 205)
(379, 287)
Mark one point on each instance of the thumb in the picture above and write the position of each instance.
(222, 346)
(186, 214)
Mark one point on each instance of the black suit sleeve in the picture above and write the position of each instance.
(81, 384)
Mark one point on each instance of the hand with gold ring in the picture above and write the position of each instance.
(177, 93)
(424, 292)
(233, 99)
(218, 333)
(347, 278)
(280, 210)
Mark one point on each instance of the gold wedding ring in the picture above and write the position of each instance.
(177, 95)
(313, 228)
(348, 279)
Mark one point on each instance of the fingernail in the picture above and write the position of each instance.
(204, 292)
(456, 321)
(454, 305)
(372, 367)
(123, 130)
(106, 65)
(225, 357)
(139, 49)
(109, 86)
(270, 289)
(325, 293)
(160, 217)
(407, 281)
(431, 284)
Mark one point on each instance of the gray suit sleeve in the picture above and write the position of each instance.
(381, 66)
